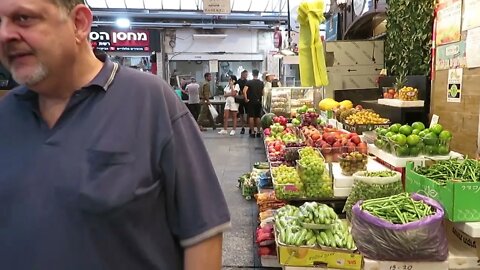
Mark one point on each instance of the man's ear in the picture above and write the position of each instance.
(82, 19)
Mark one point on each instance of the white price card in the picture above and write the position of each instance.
(435, 119)
(396, 266)
(412, 265)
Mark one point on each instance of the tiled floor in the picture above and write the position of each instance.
(232, 156)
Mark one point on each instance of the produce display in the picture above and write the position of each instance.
(311, 169)
(406, 140)
(364, 117)
(310, 118)
(280, 104)
(267, 120)
(275, 150)
(390, 93)
(286, 182)
(371, 185)
(398, 209)
(395, 229)
(332, 142)
(296, 226)
(328, 104)
(467, 170)
(408, 93)
(353, 162)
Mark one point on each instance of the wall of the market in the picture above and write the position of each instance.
(460, 118)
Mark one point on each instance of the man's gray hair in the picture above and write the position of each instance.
(68, 4)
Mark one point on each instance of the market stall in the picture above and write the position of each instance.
(329, 197)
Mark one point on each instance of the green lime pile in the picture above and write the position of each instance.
(411, 141)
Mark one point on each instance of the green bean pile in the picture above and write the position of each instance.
(467, 170)
(398, 209)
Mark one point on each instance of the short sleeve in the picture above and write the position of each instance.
(196, 207)
(237, 88)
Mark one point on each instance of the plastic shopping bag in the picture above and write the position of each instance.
(213, 111)
(366, 188)
(423, 240)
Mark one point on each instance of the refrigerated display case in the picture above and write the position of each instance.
(286, 100)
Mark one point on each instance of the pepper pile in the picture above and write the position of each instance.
(398, 209)
(467, 170)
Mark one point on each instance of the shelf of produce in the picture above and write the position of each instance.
(389, 265)
(400, 103)
(343, 184)
(399, 162)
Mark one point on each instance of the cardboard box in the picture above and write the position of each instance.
(315, 257)
(462, 240)
(459, 200)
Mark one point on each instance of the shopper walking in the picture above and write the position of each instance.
(230, 92)
(242, 112)
(102, 167)
(192, 90)
(253, 93)
(205, 115)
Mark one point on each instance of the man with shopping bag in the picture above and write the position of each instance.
(205, 114)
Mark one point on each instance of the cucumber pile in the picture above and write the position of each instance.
(312, 224)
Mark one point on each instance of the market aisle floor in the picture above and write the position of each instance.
(231, 157)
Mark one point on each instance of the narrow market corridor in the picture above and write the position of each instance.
(232, 156)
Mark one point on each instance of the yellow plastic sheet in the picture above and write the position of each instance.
(313, 71)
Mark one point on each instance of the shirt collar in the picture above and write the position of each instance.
(103, 79)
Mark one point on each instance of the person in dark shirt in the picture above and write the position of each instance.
(241, 100)
(253, 92)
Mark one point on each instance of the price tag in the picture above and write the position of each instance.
(396, 266)
(435, 119)
(332, 122)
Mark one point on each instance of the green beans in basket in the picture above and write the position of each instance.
(397, 209)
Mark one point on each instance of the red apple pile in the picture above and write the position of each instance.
(333, 144)
(276, 150)
(281, 120)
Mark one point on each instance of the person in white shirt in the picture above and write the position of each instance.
(192, 90)
(230, 91)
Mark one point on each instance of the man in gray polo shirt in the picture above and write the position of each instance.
(101, 166)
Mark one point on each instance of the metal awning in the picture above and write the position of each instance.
(269, 6)
(257, 6)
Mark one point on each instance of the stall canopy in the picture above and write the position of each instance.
(267, 6)
(313, 71)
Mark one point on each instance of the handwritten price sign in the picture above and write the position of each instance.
(398, 267)
(412, 266)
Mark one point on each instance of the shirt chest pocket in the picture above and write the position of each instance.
(112, 180)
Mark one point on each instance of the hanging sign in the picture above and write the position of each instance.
(470, 14)
(114, 40)
(213, 66)
(331, 28)
(454, 89)
(451, 56)
(449, 21)
(216, 6)
(473, 48)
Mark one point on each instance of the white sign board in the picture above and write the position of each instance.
(473, 48)
(216, 6)
(454, 88)
(213, 66)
